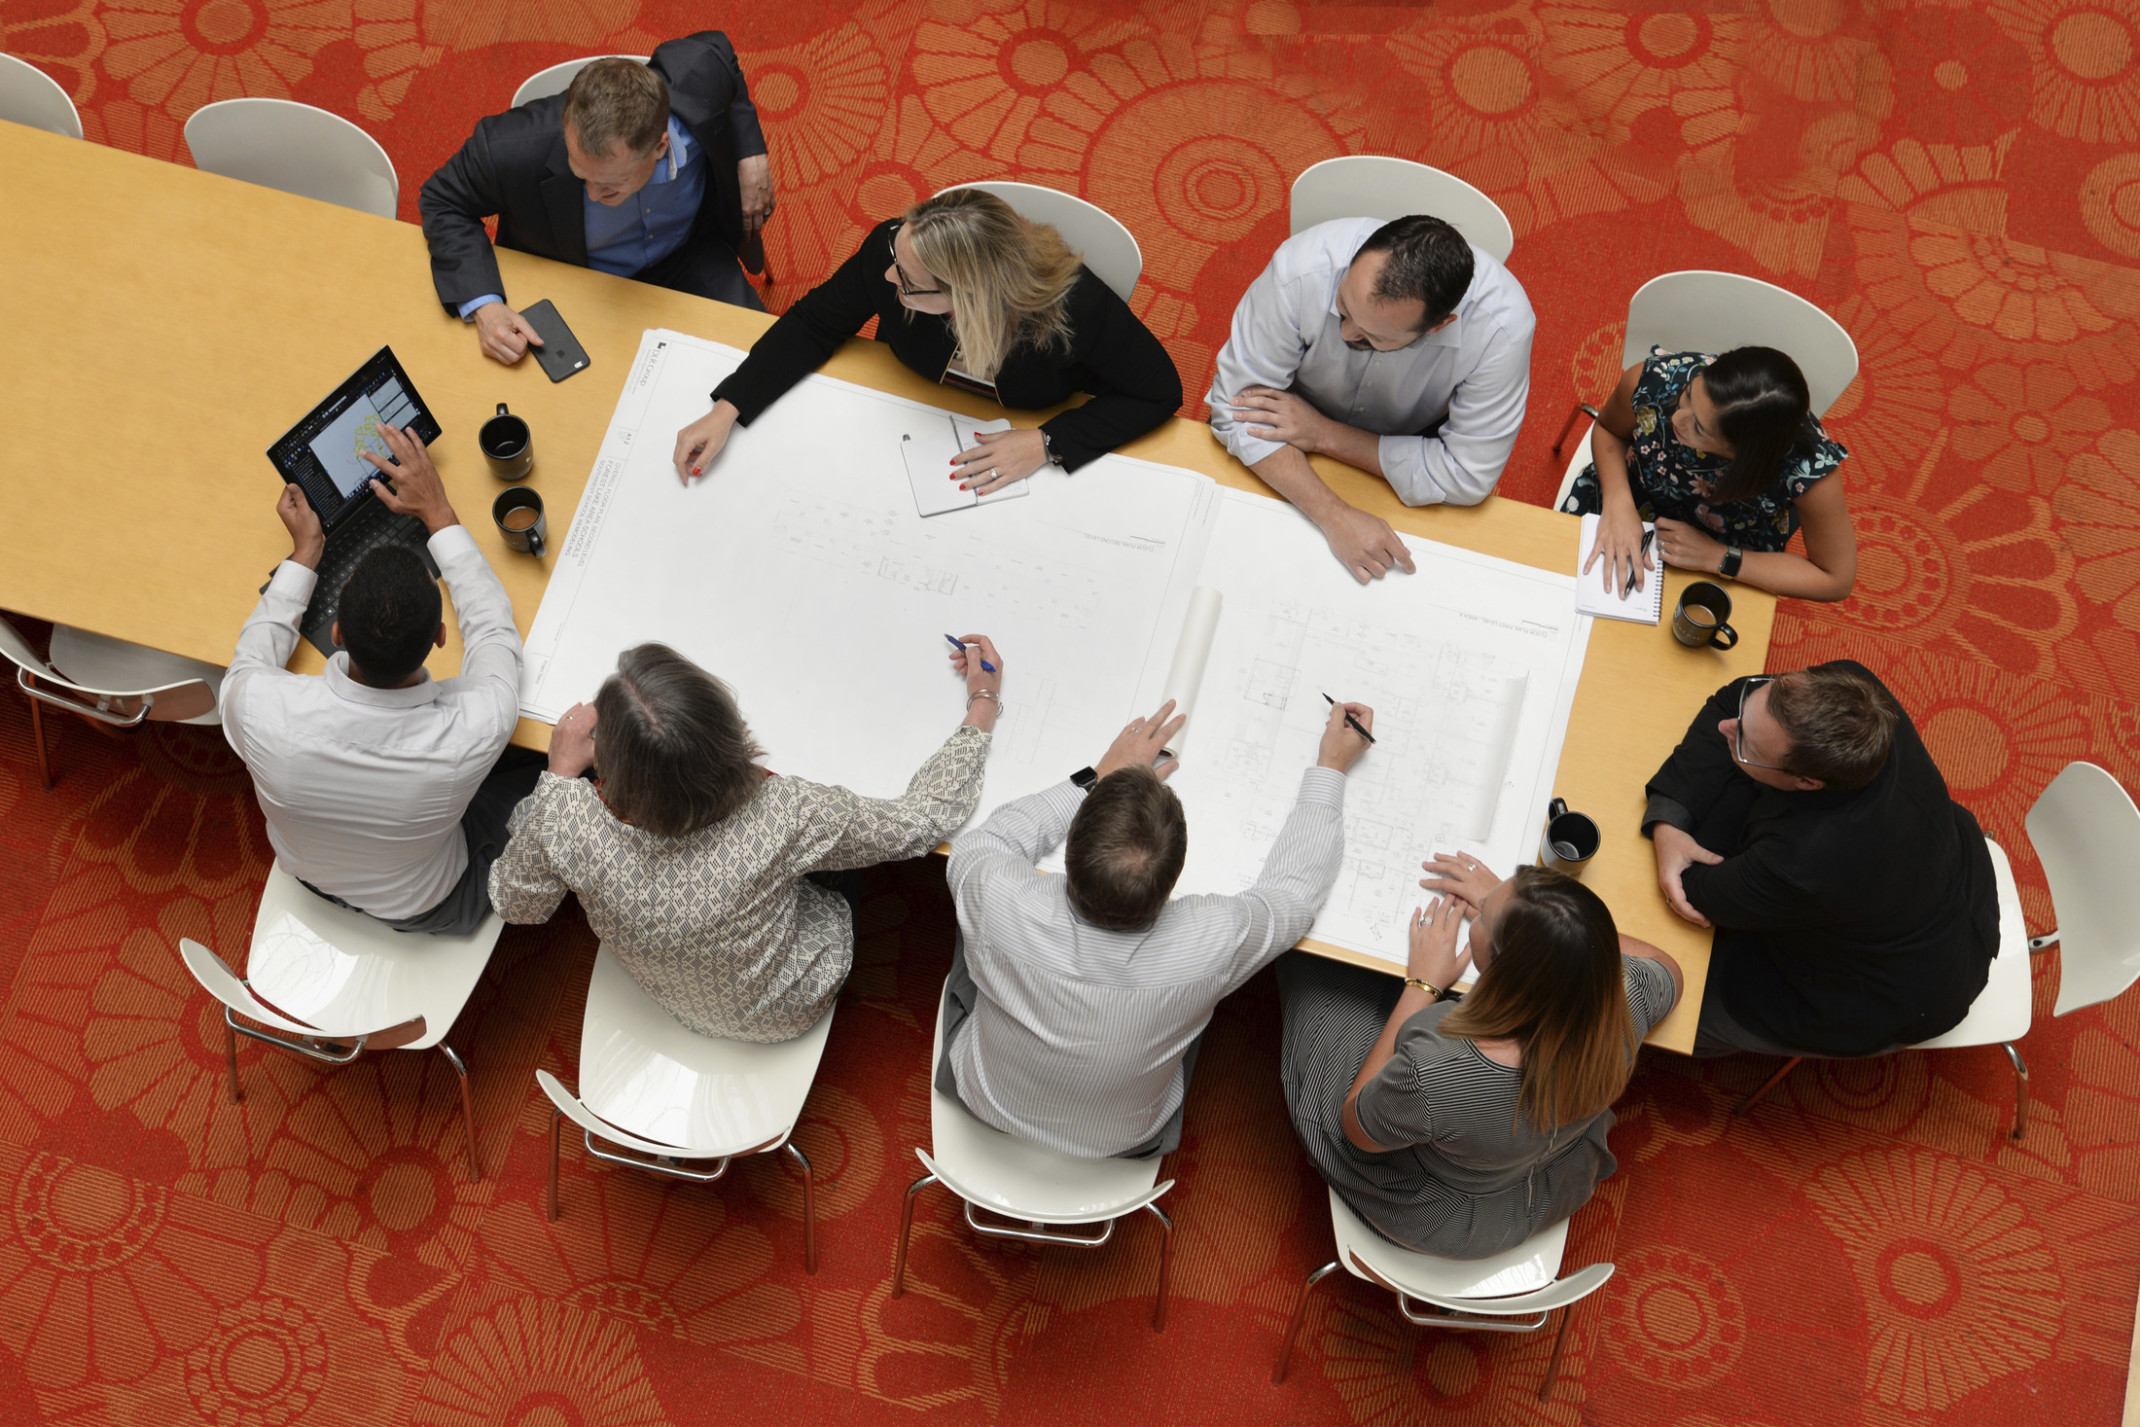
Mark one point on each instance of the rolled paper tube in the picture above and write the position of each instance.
(1198, 629)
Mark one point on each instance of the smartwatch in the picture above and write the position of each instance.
(1733, 558)
(1084, 778)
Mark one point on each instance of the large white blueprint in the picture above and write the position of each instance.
(798, 571)
(1470, 665)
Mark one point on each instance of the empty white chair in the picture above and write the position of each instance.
(558, 78)
(1700, 311)
(2086, 832)
(1375, 186)
(1521, 1286)
(1092, 232)
(670, 1095)
(279, 143)
(330, 984)
(30, 96)
(1009, 1178)
(109, 681)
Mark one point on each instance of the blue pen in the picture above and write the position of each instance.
(962, 646)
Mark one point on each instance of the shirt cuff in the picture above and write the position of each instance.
(1246, 449)
(295, 580)
(1662, 809)
(1323, 785)
(468, 308)
(453, 540)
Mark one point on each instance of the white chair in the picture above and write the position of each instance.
(279, 143)
(669, 1095)
(1700, 311)
(2086, 832)
(1092, 232)
(1511, 1292)
(558, 78)
(1375, 186)
(1009, 1178)
(110, 682)
(330, 984)
(30, 96)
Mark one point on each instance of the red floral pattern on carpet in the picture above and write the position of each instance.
(1957, 185)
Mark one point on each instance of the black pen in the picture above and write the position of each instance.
(1349, 719)
(1633, 565)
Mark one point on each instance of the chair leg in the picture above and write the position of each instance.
(2021, 1090)
(906, 1229)
(468, 1113)
(1166, 1261)
(809, 1208)
(1767, 1085)
(230, 1062)
(37, 732)
(1300, 1314)
(1567, 426)
(1560, 1340)
(557, 1125)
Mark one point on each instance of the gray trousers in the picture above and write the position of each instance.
(483, 825)
(961, 995)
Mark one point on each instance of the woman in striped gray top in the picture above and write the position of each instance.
(1462, 1128)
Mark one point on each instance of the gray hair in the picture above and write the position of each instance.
(672, 750)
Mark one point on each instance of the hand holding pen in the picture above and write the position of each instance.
(976, 661)
(1642, 555)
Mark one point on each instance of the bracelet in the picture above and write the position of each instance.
(1427, 986)
(990, 695)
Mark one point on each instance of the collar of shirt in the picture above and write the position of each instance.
(344, 686)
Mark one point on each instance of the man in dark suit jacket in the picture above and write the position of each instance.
(654, 171)
(1853, 899)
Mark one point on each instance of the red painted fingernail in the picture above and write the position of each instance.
(694, 470)
(962, 485)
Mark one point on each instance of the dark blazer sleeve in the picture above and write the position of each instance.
(1748, 893)
(811, 330)
(467, 188)
(1114, 356)
(1690, 782)
(708, 94)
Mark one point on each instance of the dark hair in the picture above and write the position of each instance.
(617, 99)
(389, 613)
(1841, 724)
(1429, 262)
(1554, 985)
(671, 748)
(1125, 850)
(1764, 411)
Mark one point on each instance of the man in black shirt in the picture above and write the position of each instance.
(1854, 902)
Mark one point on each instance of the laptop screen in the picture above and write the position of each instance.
(324, 453)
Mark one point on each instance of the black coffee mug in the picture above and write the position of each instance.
(521, 532)
(1571, 839)
(1699, 622)
(508, 445)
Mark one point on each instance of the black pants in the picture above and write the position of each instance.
(704, 266)
(463, 909)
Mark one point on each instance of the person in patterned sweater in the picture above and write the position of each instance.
(697, 867)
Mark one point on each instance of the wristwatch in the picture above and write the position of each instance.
(1047, 444)
(1733, 556)
(1084, 778)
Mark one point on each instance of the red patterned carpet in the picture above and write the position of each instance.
(1958, 185)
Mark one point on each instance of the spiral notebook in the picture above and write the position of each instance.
(1643, 606)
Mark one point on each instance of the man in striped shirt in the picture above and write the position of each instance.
(1075, 1002)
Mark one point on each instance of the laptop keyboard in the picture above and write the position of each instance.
(369, 530)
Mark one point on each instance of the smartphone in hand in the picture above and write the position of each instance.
(560, 354)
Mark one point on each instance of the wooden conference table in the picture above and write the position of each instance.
(167, 325)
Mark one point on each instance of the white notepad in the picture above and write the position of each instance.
(929, 445)
(1643, 606)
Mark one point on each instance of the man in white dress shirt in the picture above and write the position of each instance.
(1075, 1003)
(1395, 347)
(383, 789)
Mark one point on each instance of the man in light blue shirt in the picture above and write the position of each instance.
(652, 171)
(1395, 347)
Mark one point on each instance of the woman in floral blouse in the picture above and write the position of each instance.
(692, 862)
(1724, 454)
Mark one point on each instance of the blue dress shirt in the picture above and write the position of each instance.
(646, 227)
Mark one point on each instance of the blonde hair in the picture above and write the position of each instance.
(1009, 279)
(1554, 986)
